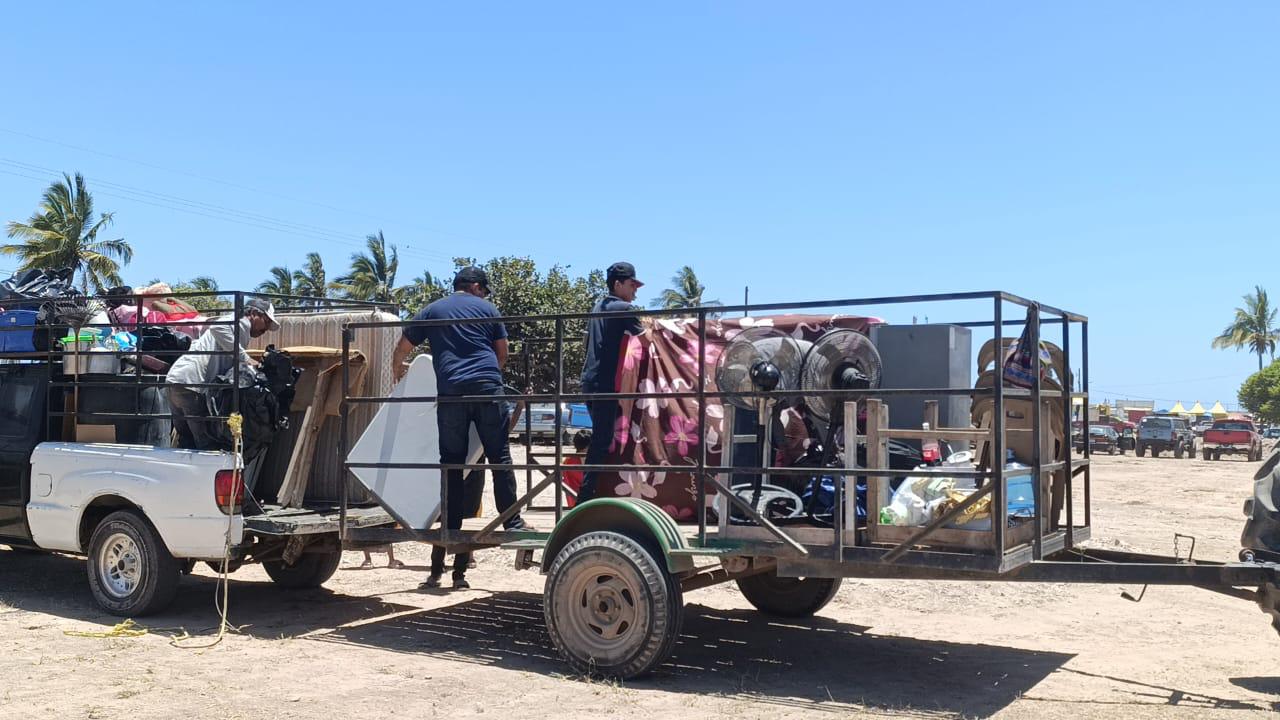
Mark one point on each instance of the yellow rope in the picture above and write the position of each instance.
(236, 423)
(124, 629)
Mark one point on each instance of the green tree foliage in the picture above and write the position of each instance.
(686, 292)
(1260, 394)
(311, 280)
(1254, 327)
(373, 274)
(63, 233)
(421, 292)
(281, 282)
(203, 284)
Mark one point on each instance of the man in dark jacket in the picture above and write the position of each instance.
(468, 360)
(599, 374)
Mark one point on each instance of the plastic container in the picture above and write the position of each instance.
(91, 359)
(17, 331)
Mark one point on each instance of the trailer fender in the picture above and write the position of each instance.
(638, 519)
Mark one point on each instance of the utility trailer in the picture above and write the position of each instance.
(617, 567)
(86, 467)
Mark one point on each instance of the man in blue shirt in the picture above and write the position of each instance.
(468, 360)
(599, 372)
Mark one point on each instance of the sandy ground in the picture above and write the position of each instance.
(372, 645)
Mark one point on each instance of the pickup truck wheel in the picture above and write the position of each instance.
(131, 572)
(1204, 453)
(788, 597)
(1177, 452)
(611, 608)
(310, 571)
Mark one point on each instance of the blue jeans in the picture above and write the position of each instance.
(454, 421)
(604, 413)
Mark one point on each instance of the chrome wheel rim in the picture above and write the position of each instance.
(120, 565)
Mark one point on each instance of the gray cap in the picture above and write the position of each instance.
(266, 309)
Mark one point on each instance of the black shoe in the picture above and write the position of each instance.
(433, 581)
(460, 583)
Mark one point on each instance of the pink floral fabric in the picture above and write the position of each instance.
(664, 431)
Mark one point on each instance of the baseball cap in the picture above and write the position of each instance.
(265, 308)
(622, 271)
(471, 274)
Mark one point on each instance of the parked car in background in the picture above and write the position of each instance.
(540, 422)
(1159, 433)
(1272, 433)
(1232, 436)
(1102, 438)
(1200, 427)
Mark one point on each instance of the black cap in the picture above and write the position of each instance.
(471, 274)
(621, 271)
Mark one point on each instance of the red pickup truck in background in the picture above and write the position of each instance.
(1232, 436)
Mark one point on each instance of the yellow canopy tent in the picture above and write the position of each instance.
(1177, 409)
(1197, 409)
(1217, 410)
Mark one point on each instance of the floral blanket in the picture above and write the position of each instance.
(664, 431)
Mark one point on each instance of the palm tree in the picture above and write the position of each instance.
(421, 292)
(281, 282)
(687, 292)
(203, 284)
(63, 234)
(373, 275)
(311, 280)
(1254, 327)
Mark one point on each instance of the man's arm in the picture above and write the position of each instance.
(398, 367)
(500, 348)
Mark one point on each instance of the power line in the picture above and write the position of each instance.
(238, 186)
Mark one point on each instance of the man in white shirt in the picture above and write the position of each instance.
(190, 405)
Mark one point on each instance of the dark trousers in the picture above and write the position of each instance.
(190, 410)
(491, 420)
(604, 414)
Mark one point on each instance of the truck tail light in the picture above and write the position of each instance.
(228, 491)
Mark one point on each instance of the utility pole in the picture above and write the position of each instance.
(746, 298)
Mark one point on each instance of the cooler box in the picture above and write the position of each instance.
(17, 331)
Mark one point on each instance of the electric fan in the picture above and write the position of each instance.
(839, 360)
(759, 359)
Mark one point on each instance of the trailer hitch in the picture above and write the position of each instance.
(1177, 557)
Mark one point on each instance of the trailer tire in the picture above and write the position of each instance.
(612, 608)
(131, 572)
(1269, 601)
(788, 597)
(310, 571)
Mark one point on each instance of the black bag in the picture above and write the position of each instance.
(154, 339)
(38, 285)
(265, 398)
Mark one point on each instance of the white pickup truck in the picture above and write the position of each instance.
(143, 516)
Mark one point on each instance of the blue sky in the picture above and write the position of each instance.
(1118, 159)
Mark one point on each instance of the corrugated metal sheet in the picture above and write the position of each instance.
(325, 330)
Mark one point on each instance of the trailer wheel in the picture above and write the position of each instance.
(310, 571)
(1269, 601)
(612, 609)
(788, 597)
(131, 572)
